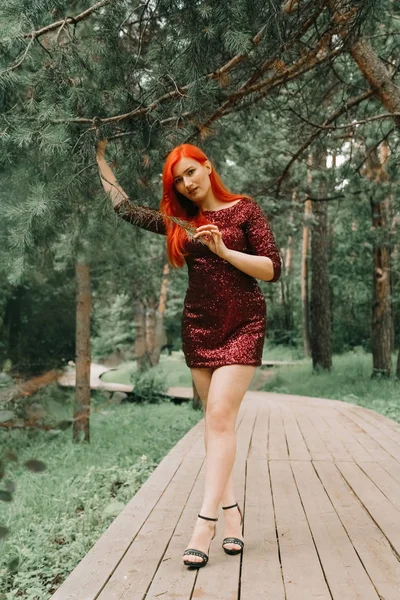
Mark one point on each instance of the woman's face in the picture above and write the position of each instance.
(192, 179)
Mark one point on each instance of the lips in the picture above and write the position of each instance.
(193, 191)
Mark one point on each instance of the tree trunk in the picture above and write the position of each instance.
(371, 66)
(287, 336)
(11, 328)
(196, 400)
(398, 366)
(377, 75)
(321, 346)
(81, 427)
(382, 322)
(305, 308)
(142, 358)
(150, 329)
(160, 315)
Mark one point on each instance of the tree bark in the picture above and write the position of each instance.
(160, 315)
(321, 345)
(196, 400)
(11, 328)
(377, 75)
(305, 307)
(287, 334)
(81, 427)
(150, 329)
(371, 66)
(382, 321)
(398, 366)
(142, 358)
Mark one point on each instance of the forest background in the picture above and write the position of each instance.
(298, 105)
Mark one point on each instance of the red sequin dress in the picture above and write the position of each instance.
(224, 317)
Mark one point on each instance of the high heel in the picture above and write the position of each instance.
(194, 552)
(233, 540)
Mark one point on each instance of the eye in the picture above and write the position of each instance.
(191, 171)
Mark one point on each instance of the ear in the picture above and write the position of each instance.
(208, 166)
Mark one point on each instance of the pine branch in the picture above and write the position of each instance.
(287, 73)
(347, 125)
(177, 92)
(350, 103)
(68, 20)
(21, 60)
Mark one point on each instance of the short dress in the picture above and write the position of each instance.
(224, 316)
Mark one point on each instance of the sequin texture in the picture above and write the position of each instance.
(224, 317)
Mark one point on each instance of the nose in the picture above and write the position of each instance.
(188, 183)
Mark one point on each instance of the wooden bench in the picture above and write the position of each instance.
(319, 482)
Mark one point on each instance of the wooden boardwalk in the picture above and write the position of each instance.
(320, 484)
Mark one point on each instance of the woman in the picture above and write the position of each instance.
(224, 318)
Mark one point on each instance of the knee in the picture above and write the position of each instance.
(219, 420)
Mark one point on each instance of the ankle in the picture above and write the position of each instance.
(231, 504)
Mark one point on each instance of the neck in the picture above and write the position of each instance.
(209, 201)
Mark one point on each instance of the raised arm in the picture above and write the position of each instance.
(141, 216)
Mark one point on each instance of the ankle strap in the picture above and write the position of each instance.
(207, 518)
(233, 505)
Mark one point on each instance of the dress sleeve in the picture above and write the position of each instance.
(261, 238)
(141, 216)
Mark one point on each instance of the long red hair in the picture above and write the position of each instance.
(176, 205)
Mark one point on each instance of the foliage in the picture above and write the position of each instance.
(149, 386)
(349, 381)
(57, 515)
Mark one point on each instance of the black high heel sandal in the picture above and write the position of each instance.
(194, 552)
(233, 540)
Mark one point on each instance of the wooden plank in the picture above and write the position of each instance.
(294, 438)
(173, 579)
(376, 434)
(387, 421)
(278, 363)
(384, 513)
(332, 443)
(315, 444)
(372, 447)
(277, 447)
(222, 581)
(140, 555)
(385, 482)
(368, 540)
(391, 466)
(132, 577)
(387, 426)
(375, 452)
(259, 439)
(302, 571)
(91, 574)
(349, 442)
(261, 570)
(343, 570)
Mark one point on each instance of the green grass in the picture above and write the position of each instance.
(175, 372)
(57, 515)
(173, 369)
(349, 380)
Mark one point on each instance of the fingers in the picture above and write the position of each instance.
(208, 226)
(207, 234)
(206, 231)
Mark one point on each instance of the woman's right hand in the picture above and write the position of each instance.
(101, 148)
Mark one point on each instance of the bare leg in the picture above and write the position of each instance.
(225, 392)
(202, 380)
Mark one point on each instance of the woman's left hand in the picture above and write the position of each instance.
(212, 237)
